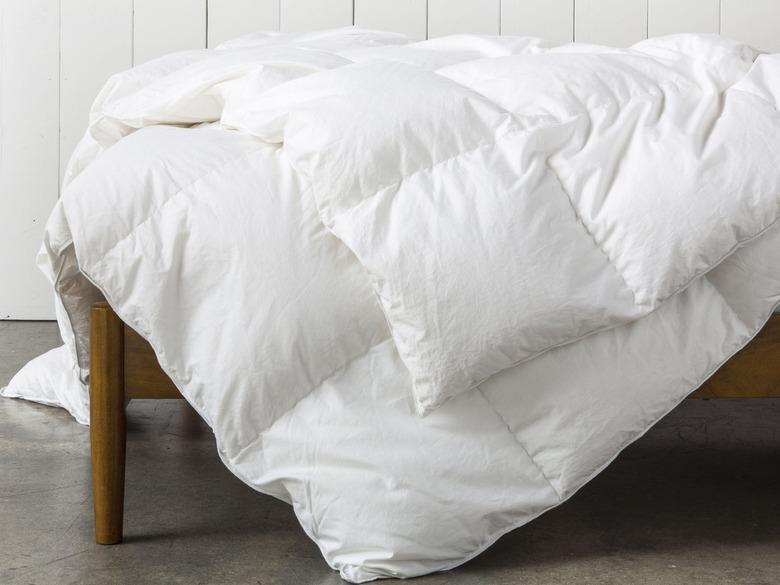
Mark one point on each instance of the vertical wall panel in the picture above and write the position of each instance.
(301, 15)
(232, 18)
(552, 20)
(447, 17)
(667, 17)
(610, 22)
(29, 71)
(90, 54)
(165, 27)
(753, 21)
(406, 16)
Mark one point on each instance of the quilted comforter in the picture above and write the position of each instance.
(423, 292)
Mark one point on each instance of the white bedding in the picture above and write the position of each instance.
(541, 250)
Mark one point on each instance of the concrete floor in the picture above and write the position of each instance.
(696, 501)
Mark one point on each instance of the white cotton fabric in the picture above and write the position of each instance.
(532, 182)
(300, 257)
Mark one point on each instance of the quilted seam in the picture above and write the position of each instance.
(174, 194)
(590, 234)
(520, 444)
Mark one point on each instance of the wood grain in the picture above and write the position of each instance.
(753, 373)
(144, 378)
(107, 422)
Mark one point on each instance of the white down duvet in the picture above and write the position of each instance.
(423, 292)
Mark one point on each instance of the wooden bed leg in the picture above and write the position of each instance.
(107, 422)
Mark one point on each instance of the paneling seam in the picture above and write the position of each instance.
(427, 19)
(59, 101)
(573, 21)
(132, 33)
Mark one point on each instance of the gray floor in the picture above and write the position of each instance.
(696, 501)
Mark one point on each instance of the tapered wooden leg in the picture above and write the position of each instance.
(107, 422)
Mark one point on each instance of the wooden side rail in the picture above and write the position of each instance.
(124, 366)
(753, 373)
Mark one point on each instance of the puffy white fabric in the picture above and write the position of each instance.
(521, 207)
(530, 195)
(53, 379)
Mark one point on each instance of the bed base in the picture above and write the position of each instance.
(123, 366)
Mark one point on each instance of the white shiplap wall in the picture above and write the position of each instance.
(29, 148)
(298, 15)
(525, 18)
(666, 17)
(446, 17)
(88, 56)
(406, 16)
(611, 22)
(162, 27)
(756, 21)
(56, 54)
(228, 19)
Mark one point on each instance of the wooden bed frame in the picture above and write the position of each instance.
(123, 366)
